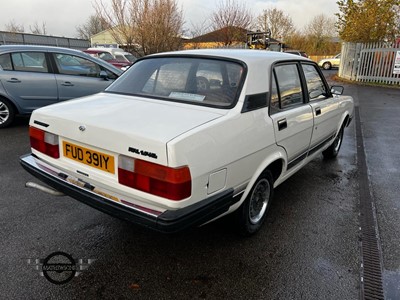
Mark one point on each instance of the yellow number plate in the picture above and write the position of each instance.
(89, 157)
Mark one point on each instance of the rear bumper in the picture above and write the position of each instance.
(169, 221)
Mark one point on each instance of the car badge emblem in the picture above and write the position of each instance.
(82, 128)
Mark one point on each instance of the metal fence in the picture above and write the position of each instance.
(372, 62)
(7, 38)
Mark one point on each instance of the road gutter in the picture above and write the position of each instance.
(370, 246)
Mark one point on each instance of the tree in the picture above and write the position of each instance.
(14, 27)
(38, 29)
(275, 20)
(143, 26)
(368, 20)
(200, 28)
(230, 19)
(319, 33)
(92, 26)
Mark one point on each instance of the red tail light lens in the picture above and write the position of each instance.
(44, 142)
(170, 183)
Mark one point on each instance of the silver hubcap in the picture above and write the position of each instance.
(259, 200)
(4, 113)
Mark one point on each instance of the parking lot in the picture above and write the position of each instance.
(309, 248)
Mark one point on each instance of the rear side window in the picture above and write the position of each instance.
(24, 61)
(286, 87)
(29, 61)
(5, 62)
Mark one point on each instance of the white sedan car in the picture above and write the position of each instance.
(329, 63)
(183, 138)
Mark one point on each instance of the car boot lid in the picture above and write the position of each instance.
(123, 124)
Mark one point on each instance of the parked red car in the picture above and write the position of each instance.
(107, 56)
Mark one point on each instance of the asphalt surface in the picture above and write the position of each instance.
(308, 248)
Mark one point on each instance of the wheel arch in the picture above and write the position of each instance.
(273, 163)
(16, 108)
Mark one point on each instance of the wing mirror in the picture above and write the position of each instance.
(337, 89)
(103, 74)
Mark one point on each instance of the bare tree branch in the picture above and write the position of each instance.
(144, 26)
(231, 17)
(275, 20)
(14, 27)
(38, 29)
(92, 26)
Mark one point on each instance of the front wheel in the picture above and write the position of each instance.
(7, 113)
(252, 213)
(333, 150)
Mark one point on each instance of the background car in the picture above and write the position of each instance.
(297, 52)
(329, 63)
(118, 55)
(108, 57)
(35, 76)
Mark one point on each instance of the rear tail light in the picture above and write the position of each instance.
(166, 182)
(44, 142)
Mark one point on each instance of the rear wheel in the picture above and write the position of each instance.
(7, 113)
(327, 66)
(252, 213)
(333, 150)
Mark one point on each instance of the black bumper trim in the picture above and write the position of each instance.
(170, 221)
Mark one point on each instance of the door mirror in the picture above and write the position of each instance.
(103, 74)
(337, 89)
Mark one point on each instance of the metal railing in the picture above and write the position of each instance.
(372, 62)
(13, 38)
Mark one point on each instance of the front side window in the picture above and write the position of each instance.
(74, 65)
(209, 82)
(315, 85)
(289, 85)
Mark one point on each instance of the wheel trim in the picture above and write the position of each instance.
(4, 113)
(259, 201)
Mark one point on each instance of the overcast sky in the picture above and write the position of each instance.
(62, 16)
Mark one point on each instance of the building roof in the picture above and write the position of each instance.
(220, 35)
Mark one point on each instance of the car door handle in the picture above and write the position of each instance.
(317, 111)
(14, 80)
(282, 124)
(67, 83)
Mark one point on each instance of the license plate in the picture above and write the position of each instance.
(89, 157)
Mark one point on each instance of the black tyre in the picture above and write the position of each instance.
(252, 213)
(333, 149)
(327, 66)
(7, 113)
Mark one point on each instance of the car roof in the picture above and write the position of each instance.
(254, 60)
(248, 56)
(4, 48)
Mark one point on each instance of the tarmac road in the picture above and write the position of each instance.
(309, 248)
